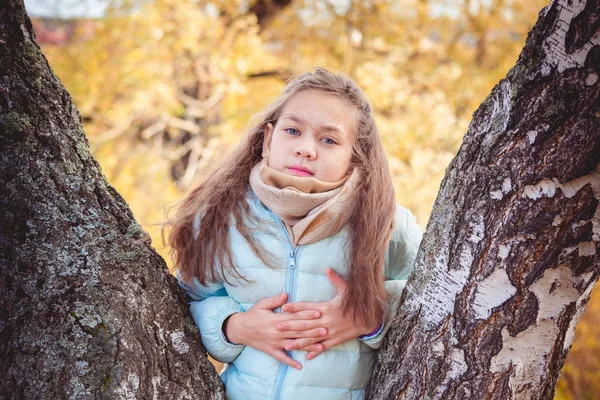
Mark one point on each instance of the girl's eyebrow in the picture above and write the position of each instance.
(323, 128)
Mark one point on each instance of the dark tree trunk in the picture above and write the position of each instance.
(511, 250)
(87, 307)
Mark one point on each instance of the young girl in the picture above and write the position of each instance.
(294, 251)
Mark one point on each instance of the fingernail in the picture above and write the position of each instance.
(322, 332)
(317, 315)
(298, 366)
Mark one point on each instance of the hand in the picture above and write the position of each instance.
(339, 327)
(256, 328)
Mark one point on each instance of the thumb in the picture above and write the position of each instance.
(270, 303)
(338, 281)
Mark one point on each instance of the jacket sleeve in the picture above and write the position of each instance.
(210, 307)
(399, 263)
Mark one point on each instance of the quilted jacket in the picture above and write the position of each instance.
(340, 373)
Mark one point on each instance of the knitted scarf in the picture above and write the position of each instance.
(310, 208)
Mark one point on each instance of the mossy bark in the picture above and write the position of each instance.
(87, 307)
(511, 251)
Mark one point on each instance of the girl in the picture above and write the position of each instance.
(294, 251)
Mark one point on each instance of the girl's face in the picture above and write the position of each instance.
(313, 137)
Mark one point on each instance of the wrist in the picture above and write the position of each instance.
(231, 328)
(372, 333)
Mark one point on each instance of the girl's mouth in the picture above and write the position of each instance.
(300, 170)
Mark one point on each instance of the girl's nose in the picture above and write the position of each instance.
(306, 149)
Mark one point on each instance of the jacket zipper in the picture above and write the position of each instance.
(291, 289)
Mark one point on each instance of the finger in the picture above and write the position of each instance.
(317, 333)
(284, 358)
(338, 281)
(301, 306)
(302, 315)
(300, 343)
(270, 303)
(299, 325)
(325, 344)
(318, 347)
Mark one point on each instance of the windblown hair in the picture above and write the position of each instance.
(204, 251)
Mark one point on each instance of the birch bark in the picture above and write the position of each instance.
(510, 255)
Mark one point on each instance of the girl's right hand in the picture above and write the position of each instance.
(257, 328)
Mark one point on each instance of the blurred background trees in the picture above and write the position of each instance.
(166, 88)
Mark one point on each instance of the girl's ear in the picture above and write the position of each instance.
(267, 140)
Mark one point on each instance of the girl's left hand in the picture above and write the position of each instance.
(339, 327)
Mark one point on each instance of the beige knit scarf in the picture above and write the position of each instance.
(310, 208)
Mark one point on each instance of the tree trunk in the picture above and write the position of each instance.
(87, 307)
(510, 255)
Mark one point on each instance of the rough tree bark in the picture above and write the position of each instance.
(87, 307)
(511, 254)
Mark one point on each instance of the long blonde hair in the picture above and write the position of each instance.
(220, 198)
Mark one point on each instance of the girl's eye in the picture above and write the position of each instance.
(292, 131)
(329, 141)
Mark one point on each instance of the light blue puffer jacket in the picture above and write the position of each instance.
(340, 373)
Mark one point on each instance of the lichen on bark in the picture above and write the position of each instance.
(87, 307)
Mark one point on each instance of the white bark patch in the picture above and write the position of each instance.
(160, 332)
(503, 251)
(587, 249)
(506, 187)
(436, 301)
(25, 32)
(128, 388)
(498, 118)
(492, 292)
(466, 257)
(155, 386)
(554, 45)
(531, 135)
(544, 188)
(477, 230)
(570, 334)
(438, 298)
(458, 367)
(527, 352)
(497, 195)
(438, 348)
(591, 79)
(547, 188)
(179, 344)
(557, 220)
(571, 188)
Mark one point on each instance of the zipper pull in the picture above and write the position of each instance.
(292, 258)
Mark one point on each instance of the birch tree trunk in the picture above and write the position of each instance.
(87, 307)
(510, 254)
